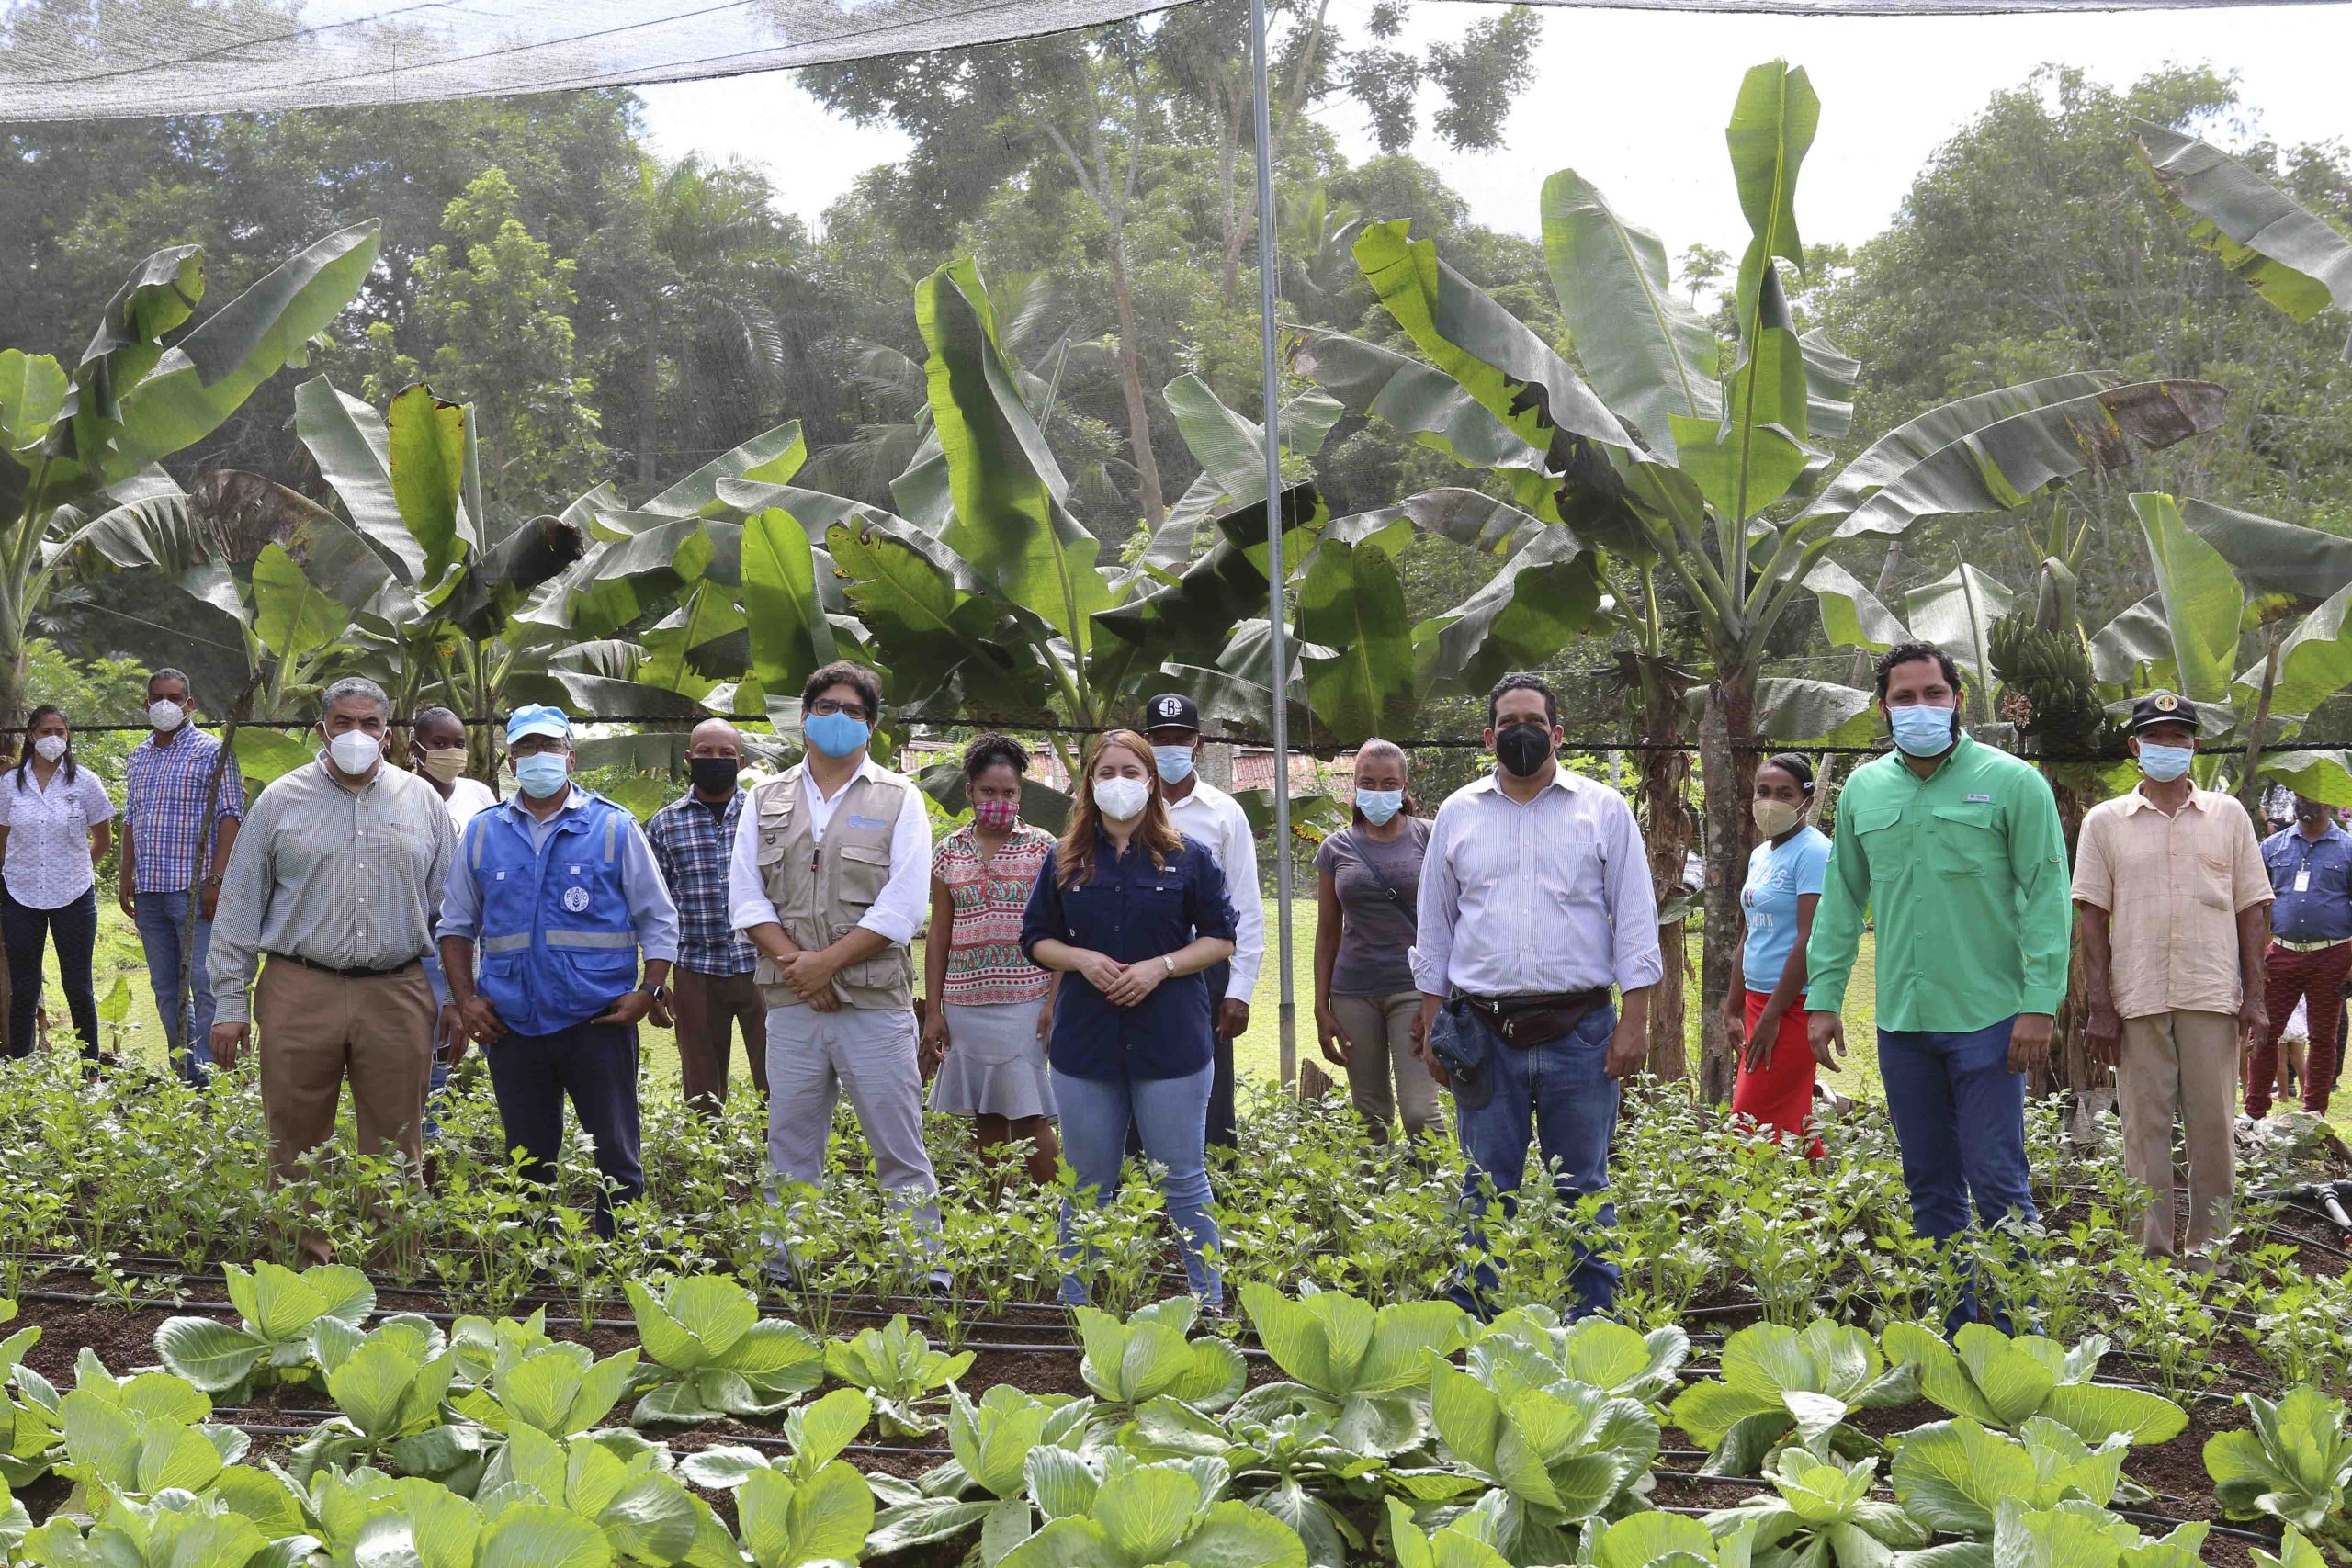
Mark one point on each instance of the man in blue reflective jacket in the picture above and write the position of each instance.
(559, 890)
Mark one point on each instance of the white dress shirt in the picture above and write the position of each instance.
(898, 913)
(1216, 821)
(48, 863)
(1537, 900)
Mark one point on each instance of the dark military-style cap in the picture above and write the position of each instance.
(2163, 707)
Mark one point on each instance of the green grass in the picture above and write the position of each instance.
(1257, 1056)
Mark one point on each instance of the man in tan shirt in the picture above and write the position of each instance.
(2176, 918)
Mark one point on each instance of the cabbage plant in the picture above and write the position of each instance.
(644, 1515)
(1553, 1455)
(1137, 1512)
(987, 1482)
(178, 1530)
(560, 1390)
(120, 1442)
(1364, 1369)
(282, 1316)
(716, 1355)
(1531, 1346)
(391, 1388)
(2081, 1535)
(895, 1365)
(1778, 1381)
(1127, 1363)
(2294, 1464)
(1819, 1513)
(1291, 1466)
(2003, 1382)
(1952, 1476)
(1457, 1545)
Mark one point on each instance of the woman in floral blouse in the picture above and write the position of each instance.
(989, 1008)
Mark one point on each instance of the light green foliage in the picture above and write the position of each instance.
(283, 1319)
(1139, 1513)
(1361, 1367)
(2294, 1463)
(895, 1365)
(1148, 1355)
(1779, 1381)
(1953, 1475)
(719, 1356)
(1530, 1347)
(987, 1482)
(1820, 1513)
(2004, 1381)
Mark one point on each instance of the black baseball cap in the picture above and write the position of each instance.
(2163, 707)
(1171, 710)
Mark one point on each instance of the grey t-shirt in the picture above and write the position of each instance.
(1376, 935)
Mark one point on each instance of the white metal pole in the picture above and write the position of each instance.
(1274, 609)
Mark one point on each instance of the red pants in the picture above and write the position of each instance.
(1778, 1097)
(2312, 978)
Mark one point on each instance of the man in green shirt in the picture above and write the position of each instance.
(1954, 849)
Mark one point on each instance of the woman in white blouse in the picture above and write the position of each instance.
(56, 824)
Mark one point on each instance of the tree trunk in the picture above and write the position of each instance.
(12, 717)
(648, 423)
(1665, 775)
(1729, 781)
(1155, 511)
(1228, 159)
(2071, 1067)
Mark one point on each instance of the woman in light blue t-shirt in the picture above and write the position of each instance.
(1766, 1010)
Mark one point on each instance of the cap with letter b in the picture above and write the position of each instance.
(1171, 710)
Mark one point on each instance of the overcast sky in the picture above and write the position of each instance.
(1636, 101)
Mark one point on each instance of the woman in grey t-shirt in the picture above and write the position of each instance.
(1368, 878)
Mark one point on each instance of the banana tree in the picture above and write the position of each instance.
(428, 587)
(1700, 470)
(83, 490)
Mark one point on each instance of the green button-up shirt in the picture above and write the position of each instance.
(1965, 873)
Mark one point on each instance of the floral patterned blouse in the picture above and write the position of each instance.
(985, 964)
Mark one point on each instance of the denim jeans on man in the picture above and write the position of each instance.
(1170, 1115)
(1960, 1119)
(158, 916)
(1559, 1093)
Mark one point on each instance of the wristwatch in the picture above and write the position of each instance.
(1171, 964)
(659, 993)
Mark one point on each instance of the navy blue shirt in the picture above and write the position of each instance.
(1132, 911)
(2322, 910)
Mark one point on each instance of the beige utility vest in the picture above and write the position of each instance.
(821, 891)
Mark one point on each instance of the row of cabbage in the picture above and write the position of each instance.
(1409, 1434)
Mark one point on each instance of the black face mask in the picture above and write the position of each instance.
(1524, 749)
(714, 775)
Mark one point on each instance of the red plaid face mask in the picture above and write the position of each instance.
(996, 816)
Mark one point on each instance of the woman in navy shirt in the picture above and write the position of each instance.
(1132, 911)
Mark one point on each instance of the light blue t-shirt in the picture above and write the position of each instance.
(1778, 875)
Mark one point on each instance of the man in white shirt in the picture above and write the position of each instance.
(828, 879)
(1535, 903)
(1214, 819)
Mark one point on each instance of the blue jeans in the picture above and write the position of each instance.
(439, 1074)
(1937, 1084)
(188, 1020)
(1171, 1114)
(1558, 1092)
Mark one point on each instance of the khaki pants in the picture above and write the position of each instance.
(1380, 1053)
(314, 1029)
(709, 1009)
(2184, 1064)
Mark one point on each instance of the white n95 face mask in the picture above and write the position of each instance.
(167, 716)
(1121, 800)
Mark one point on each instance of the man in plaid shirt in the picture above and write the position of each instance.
(712, 985)
(162, 839)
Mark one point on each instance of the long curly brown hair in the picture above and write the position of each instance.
(1074, 856)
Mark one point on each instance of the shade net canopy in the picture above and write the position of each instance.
(101, 62)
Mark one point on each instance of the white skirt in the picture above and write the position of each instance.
(996, 1063)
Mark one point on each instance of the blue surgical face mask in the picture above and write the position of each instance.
(542, 774)
(2165, 763)
(1175, 762)
(1923, 732)
(835, 734)
(1379, 805)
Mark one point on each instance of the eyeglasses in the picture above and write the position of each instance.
(824, 705)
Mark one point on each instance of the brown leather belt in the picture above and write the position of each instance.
(1523, 1022)
(354, 974)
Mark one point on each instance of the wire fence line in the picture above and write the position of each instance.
(673, 724)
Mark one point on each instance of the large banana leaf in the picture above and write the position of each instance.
(1829, 378)
(1544, 595)
(349, 442)
(1467, 517)
(1232, 703)
(1813, 713)
(293, 617)
(2293, 258)
(928, 610)
(1231, 451)
(2006, 462)
(2197, 598)
(1353, 601)
(1189, 619)
(1956, 612)
(1772, 125)
(773, 457)
(701, 642)
(160, 294)
(427, 443)
(1647, 354)
(498, 580)
(1010, 521)
(2315, 662)
(790, 636)
(1914, 441)
(153, 531)
(32, 392)
(1514, 374)
(203, 378)
(2270, 557)
(1852, 615)
(2322, 776)
(1424, 404)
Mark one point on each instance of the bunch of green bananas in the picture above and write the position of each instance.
(2050, 670)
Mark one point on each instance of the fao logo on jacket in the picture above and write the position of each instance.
(575, 899)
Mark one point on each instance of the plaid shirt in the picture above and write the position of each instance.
(691, 846)
(164, 803)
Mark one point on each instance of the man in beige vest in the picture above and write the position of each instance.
(828, 880)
